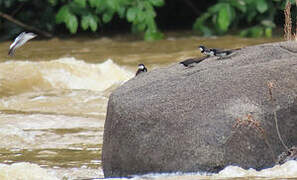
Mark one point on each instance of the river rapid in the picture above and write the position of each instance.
(54, 96)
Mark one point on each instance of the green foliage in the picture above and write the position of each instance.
(257, 15)
(93, 13)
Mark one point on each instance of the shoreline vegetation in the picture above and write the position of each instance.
(147, 19)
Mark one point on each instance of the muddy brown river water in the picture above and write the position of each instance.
(54, 96)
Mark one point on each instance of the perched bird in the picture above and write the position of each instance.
(19, 41)
(189, 62)
(206, 51)
(222, 53)
(141, 69)
(203, 50)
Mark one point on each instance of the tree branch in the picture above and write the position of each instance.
(25, 26)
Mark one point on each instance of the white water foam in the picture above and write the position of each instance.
(286, 170)
(63, 73)
(29, 171)
(24, 171)
(76, 74)
(38, 131)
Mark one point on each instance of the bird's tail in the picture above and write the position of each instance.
(11, 52)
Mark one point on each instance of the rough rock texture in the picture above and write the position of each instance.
(206, 117)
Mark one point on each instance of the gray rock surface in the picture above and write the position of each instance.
(206, 117)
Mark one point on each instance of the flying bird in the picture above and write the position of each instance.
(19, 41)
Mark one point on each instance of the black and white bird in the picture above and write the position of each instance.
(204, 50)
(191, 61)
(222, 53)
(19, 41)
(141, 69)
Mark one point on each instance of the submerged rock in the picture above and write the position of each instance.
(203, 118)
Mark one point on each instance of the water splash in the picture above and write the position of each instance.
(33, 171)
(286, 170)
(24, 171)
(65, 73)
(69, 73)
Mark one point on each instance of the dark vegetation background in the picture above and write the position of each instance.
(148, 18)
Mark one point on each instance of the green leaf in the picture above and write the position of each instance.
(94, 3)
(136, 28)
(81, 3)
(122, 11)
(141, 27)
(113, 4)
(224, 18)
(151, 24)
(107, 16)
(131, 14)
(157, 3)
(200, 20)
(239, 4)
(89, 21)
(147, 6)
(77, 9)
(141, 15)
(255, 31)
(250, 1)
(62, 14)
(72, 23)
(93, 24)
(84, 22)
(243, 33)
(152, 36)
(268, 32)
(199, 25)
(151, 13)
(232, 14)
(262, 6)
(215, 8)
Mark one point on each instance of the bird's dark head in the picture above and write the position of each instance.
(213, 51)
(141, 66)
(202, 49)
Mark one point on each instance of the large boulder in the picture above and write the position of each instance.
(203, 118)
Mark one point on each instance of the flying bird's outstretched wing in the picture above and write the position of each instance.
(19, 41)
